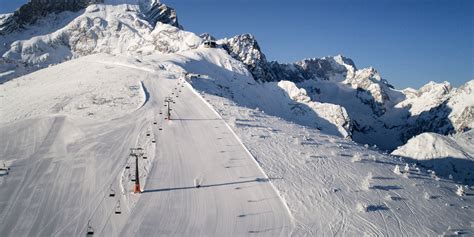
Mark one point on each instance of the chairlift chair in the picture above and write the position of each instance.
(90, 230)
(112, 192)
(118, 210)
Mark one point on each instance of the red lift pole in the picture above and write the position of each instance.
(136, 188)
(136, 152)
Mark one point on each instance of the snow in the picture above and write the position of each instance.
(356, 103)
(101, 28)
(449, 156)
(270, 159)
(68, 163)
(75, 88)
(433, 146)
(325, 190)
(334, 114)
(314, 171)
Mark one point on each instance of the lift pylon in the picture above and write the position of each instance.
(168, 100)
(136, 152)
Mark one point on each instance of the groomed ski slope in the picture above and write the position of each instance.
(63, 165)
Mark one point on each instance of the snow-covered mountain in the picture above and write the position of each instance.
(450, 156)
(37, 42)
(381, 115)
(253, 147)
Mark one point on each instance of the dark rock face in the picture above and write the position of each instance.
(435, 120)
(34, 9)
(310, 69)
(207, 36)
(246, 49)
(8, 24)
(164, 14)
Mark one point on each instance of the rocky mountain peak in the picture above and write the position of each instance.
(159, 12)
(436, 88)
(29, 13)
(245, 48)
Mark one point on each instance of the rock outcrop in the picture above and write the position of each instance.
(159, 12)
(245, 48)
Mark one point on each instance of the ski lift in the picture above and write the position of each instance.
(112, 192)
(145, 157)
(153, 141)
(90, 230)
(127, 166)
(160, 129)
(133, 179)
(148, 134)
(118, 210)
(154, 122)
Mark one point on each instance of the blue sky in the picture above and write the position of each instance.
(410, 42)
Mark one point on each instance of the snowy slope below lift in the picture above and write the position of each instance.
(451, 156)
